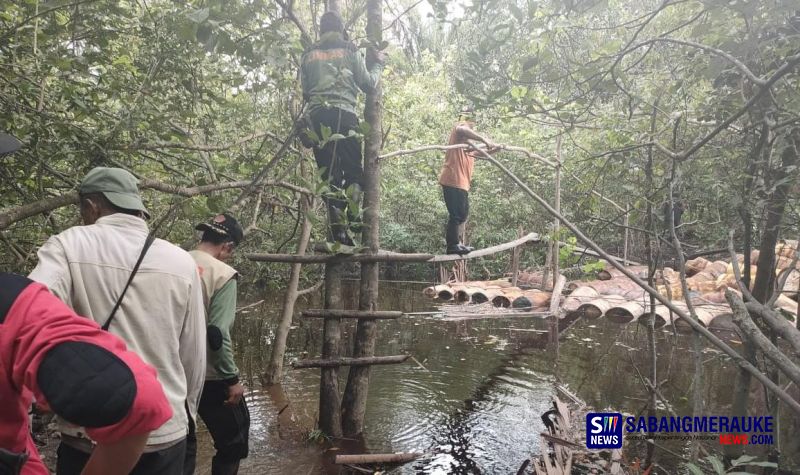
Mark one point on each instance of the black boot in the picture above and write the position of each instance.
(219, 467)
(356, 196)
(454, 245)
(336, 218)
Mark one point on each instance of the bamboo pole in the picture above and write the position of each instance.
(737, 358)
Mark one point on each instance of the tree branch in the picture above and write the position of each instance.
(742, 319)
(11, 215)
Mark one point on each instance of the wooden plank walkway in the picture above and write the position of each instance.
(389, 256)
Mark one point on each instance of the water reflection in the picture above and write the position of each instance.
(472, 400)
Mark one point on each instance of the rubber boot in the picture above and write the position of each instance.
(464, 248)
(454, 245)
(337, 218)
(356, 196)
(219, 467)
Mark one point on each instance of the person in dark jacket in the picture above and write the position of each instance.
(332, 73)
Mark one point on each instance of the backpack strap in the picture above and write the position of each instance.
(147, 243)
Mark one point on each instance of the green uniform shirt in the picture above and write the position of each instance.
(332, 73)
(221, 313)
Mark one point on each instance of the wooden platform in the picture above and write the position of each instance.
(389, 256)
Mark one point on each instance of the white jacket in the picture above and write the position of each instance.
(162, 317)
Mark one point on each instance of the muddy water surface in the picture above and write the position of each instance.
(473, 403)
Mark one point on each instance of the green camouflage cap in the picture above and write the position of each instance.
(117, 185)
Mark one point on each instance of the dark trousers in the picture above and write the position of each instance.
(340, 160)
(228, 425)
(457, 202)
(168, 461)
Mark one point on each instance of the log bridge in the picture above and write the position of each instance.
(330, 402)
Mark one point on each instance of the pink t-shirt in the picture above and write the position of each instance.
(458, 163)
(36, 322)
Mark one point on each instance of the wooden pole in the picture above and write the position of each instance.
(557, 207)
(626, 235)
(329, 402)
(354, 401)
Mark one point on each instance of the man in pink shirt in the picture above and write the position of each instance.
(456, 177)
(76, 370)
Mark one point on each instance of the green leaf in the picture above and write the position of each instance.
(719, 467)
(694, 469)
(762, 464)
(742, 460)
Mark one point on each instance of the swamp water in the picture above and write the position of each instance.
(474, 401)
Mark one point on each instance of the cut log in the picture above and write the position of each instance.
(783, 262)
(792, 284)
(786, 248)
(580, 296)
(594, 308)
(522, 302)
(661, 316)
(673, 291)
(378, 314)
(538, 298)
(716, 268)
(465, 295)
(357, 459)
(530, 278)
(704, 287)
(705, 314)
(501, 301)
(611, 272)
(612, 287)
(446, 293)
(624, 313)
(723, 322)
(433, 291)
(485, 295)
(335, 362)
(696, 265)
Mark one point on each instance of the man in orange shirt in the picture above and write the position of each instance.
(455, 179)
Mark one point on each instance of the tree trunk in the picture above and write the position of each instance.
(330, 404)
(355, 395)
(275, 367)
(765, 275)
(652, 266)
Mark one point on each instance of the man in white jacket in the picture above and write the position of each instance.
(160, 316)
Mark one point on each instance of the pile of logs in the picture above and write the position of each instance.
(619, 299)
(500, 292)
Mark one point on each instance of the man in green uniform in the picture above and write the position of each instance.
(332, 73)
(222, 404)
